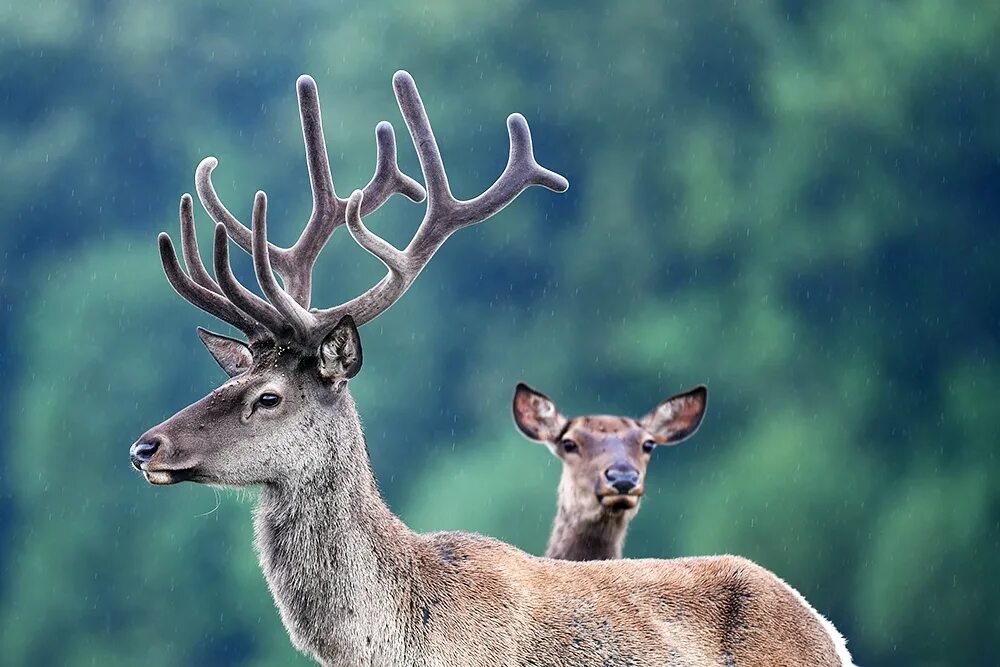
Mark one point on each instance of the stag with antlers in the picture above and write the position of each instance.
(353, 584)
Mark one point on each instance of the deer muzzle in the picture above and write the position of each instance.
(142, 451)
(621, 488)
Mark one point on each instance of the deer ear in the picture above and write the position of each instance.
(536, 415)
(678, 417)
(340, 351)
(233, 355)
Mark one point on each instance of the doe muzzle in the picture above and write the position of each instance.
(622, 479)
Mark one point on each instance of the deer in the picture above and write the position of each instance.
(353, 585)
(604, 460)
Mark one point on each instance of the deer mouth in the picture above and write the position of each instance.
(620, 502)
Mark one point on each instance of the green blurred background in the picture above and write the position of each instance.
(795, 202)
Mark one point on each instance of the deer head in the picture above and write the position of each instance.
(261, 426)
(604, 457)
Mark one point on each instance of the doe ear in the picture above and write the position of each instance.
(233, 355)
(678, 417)
(536, 415)
(340, 352)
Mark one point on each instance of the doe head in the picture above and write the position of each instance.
(605, 457)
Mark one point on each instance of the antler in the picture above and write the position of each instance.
(444, 216)
(285, 314)
(295, 264)
(199, 289)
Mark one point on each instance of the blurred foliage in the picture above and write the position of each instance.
(794, 202)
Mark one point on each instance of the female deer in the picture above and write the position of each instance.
(353, 584)
(604, 466)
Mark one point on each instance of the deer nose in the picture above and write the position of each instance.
(621, 479)
(142, 451)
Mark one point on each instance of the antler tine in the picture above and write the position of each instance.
(189, 247)
(412, 107)
(205, 299)
(521, 172)
(317, 161)
(393, 259)
(379, 297)
(239, 232)
(255, 307)
(295, 264)
(387, 178)
(298, 317)
(444, 214)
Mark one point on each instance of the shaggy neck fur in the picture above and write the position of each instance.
(338, 562)
(583, 532)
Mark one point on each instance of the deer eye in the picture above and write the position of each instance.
(649, 446)
(269, 400)
(569, 446)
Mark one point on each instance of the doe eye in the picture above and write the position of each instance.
(648, 446)
(569, 446)
(269, 400)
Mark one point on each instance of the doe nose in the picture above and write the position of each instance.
(622, 480)
(142, 451)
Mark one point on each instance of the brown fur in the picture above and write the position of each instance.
(518, 610)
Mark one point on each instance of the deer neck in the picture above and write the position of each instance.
(582, 531)
(338, 562)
